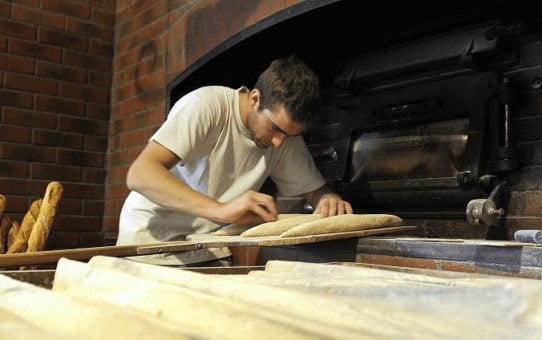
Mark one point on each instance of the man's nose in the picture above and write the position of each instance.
(278, 140)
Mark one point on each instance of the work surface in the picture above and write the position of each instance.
(117, 298)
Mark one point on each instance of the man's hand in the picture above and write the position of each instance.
(332, 204)
(251, 207)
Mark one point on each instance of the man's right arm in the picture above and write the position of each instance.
(149, 175)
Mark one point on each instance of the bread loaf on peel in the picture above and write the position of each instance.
(240, 230)
(284, 223)
(344, 223)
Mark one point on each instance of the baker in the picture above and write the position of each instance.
(204, 166)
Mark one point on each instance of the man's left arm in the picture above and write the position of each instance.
(327, 202)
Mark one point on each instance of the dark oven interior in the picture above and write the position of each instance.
(430, 113)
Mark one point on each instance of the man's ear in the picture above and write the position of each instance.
(254, 99)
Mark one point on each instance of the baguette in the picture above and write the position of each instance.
(344, 223)
(5, 222)
(4, 225)
(12, 233)
(284, 223)
(20, 242)
(2, 204)
(42, 226)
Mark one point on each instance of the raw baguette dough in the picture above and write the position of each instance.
(231, 230)
(239, 230)
(344, 223)
(284, 223)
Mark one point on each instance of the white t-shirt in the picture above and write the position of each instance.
(218, 158)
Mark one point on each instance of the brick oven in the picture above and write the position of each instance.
(431, 116)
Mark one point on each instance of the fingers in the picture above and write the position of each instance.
(332, 205)
(262, 205)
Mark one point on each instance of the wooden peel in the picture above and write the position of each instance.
(196, 241)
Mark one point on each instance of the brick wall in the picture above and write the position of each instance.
(55, 79)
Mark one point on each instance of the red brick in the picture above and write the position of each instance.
(17, 29)
(13, 169)
(100, 79)
(118, 191)
(117, 174)
(63, 39)
(61, 72)
(5, 9)
(129, 106)
(83, 190)
(88, 61)
(13, 98)
(14, 133)
(80, 158)
(131, 138)
(35, 50)
(3, 44)
(69, 206)
(29, 3)
(111, 224)
(223, 20)
(31, 189)
(31, 84)
(67, 8)
(98, 111)
(59, 105)
(276, 5)
(62, 240)
(99, 47)
(210, 26)
(91, 240)
(15, 63)
(30, 153)
(78, 223)
(29, 118)
(104, 17)
(95, 143)
(89, 29)
(86, 126)
(60, 173)
(84, 92)
(56, 138)
(35, 16)
(93, 175)
(93, 208)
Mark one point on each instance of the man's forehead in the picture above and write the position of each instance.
(281, 119)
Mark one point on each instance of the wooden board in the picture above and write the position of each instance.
(237, 240)
(193, 242)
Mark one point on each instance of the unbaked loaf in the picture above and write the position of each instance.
(344, 223)
(282, 224)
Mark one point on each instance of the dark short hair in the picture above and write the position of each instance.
(289, 81)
